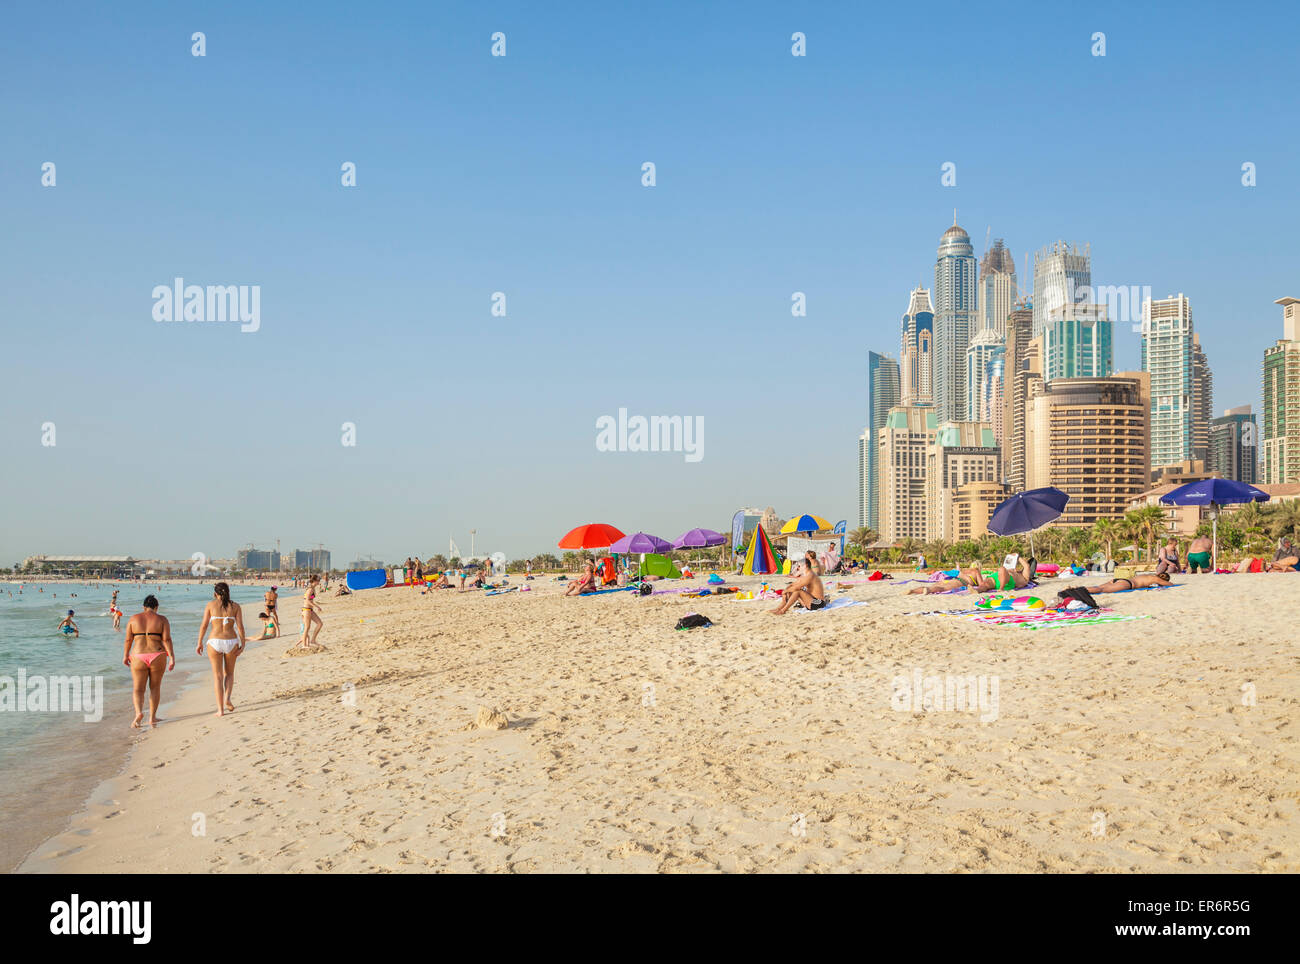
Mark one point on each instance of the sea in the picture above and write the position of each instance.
(52, 759)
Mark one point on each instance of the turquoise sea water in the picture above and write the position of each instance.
(51, 760)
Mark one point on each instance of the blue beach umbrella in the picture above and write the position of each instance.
(1027, 511)
(1214, 493)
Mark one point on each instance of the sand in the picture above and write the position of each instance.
(760, 744)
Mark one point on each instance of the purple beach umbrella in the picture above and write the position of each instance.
(699, 539)
(641, 542)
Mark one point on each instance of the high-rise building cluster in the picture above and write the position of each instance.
(998, 390)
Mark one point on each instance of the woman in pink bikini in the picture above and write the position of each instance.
(226, 643)
(148, 640)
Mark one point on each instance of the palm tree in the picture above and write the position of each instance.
(1284, 519)
(1106, 531)
(1149, 523)
(861, 538)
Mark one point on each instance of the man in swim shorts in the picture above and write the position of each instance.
(68, 627)
(1198, 555)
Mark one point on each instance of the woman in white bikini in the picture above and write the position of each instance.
(226, 620)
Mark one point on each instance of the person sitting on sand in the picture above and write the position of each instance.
(68, 627)
(807, 591)
(441, 582)
(584, 585)
(1168, 558)
(1143, 580)
(1287, 557)
(1198, 554)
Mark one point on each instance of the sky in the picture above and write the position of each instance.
(522, 174)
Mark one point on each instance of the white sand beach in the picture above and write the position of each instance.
(761, 744)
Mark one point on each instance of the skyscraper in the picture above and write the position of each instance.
(1088, 436)
(1077, 342)
(955, 303)
(1234, 446)
(1061, 272)
(918, 355)
(997, 287)
(1167, 357)
(1021, 365)
(1202, 401)
(1281, 462)
(985, 364)
(903, 446)
(882, 395)
(962, 453)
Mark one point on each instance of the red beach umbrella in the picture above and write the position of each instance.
(594, 535)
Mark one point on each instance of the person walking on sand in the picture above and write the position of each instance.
(310, 616)
(272, 599)
(148, 641)
(226, 620)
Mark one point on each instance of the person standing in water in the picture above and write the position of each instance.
(115, 612)
(148, 640)
(226, 620)
(68, 627)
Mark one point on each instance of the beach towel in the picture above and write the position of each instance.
(843, 602)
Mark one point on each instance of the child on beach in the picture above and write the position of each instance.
(68, 627)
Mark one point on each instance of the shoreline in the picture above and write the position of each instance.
(360, 759)
(60, 799)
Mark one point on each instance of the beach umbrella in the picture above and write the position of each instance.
(1214, 493)
(641, 542)
(805, 523)
(699, 539)
(593, 535)
(1027, 511)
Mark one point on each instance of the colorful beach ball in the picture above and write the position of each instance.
(1026, 603)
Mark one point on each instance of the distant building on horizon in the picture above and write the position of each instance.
(1023, 370)
(1062, 276)
(258, 560)
(1234, 446)
(997, 289)
(1280, 463)
(955, 306)
(315, 559)
(916, 362)
(1167, 342)
(882, 395)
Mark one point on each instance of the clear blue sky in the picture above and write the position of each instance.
(522, 174)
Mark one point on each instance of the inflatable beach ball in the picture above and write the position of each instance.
(1026, 603)
(994, 602)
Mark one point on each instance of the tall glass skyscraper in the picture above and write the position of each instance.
(955, 304)
(1078, 342)
(882, 395)
(918, 349)
(985, 365)
(1167, 356)
(997, 287)
(1061, 273)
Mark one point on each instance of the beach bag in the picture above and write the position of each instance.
(693, 621)
(1079, 593)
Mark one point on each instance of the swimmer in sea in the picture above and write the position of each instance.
(68, 627)
(115, 612)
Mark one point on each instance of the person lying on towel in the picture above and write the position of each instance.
(1143, 580)
(973, 578)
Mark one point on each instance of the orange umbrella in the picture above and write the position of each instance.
(594, 535)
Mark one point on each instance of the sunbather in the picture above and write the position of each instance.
(1143, 580)
(584, 585)
(974, 578)
(1286, 559)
